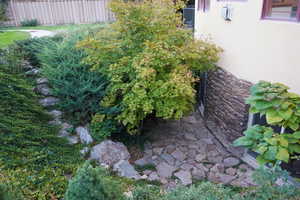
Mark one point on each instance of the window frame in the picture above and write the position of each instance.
(266, 7)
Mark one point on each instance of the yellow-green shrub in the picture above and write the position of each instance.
(150, 60)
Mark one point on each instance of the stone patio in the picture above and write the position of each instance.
(185, 151)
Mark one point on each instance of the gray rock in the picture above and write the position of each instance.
(170, 148)
(43, 89)
(143, 161)
(109, 152)
(84, 135)
(84, 151)
(190, 136)
(218, 168)
(226, 179)
(42, 81)
(184, 176)
(55, 122)
(186, 166)
(231, 171)
(147, 172)
(231, 162)
(215, 159)
(65, 130)
(200, 157)
(32, 72)
(125, 169)
(198, 174)
(164, 170)
(158, 150)
(168, 158)
(220, 178)
(49, 101)
(56, 114)
(153, 177)
(178, 155)
(73, 139)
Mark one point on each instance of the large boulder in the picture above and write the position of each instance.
(109, 153)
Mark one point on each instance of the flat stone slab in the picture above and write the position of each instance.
(125, 169)
(184, 176)
(165, 170)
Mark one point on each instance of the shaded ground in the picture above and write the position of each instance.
(184, 151)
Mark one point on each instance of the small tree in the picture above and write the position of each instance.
(151, 61)
(93, 183)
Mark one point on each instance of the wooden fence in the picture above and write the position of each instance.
(54, 12)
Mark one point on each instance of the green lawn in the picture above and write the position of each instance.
(50, 28)
(7, 38)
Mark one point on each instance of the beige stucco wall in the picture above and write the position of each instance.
(254, 49)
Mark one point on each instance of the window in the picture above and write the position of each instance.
(282, 9)
(203, 5)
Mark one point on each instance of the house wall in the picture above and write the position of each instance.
(254, 49)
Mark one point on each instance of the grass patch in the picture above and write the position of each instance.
(7, 38)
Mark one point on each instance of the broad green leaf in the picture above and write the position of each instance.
(286, 114)
(262, 105)
(272, 141)
(283, 155)
(262, 149)
(283, 142)
(294, 148)
(293, 95)
(273, 117)
(261, 160)
(294, 126)
(242, 141)
(296, 135)
(270, 154)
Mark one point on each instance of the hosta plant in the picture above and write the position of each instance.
(150, 60)
(281, 108)
(270, 145)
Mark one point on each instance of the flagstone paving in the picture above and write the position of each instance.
(185, 151)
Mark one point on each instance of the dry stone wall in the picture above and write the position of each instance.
(225, 112)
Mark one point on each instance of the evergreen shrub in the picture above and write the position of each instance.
(79, 89)
(93, 183)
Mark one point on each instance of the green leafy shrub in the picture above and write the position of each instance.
(79, 89)
(93, 183)
(151, 61)
(30, 22)
(268, 189)
(282, 108)
(148, 192)
(32, 157)
(7, 192)
(202, 191)
(271, 146)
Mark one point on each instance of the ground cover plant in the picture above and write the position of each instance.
(32, 157)
(150, 60)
